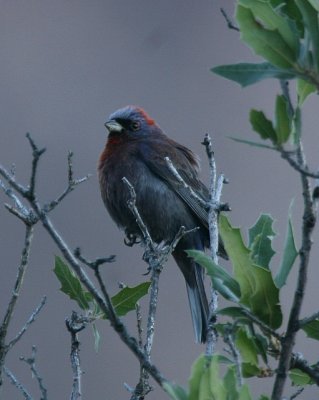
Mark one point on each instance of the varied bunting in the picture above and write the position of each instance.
(136, 149)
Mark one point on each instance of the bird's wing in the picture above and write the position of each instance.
(185, 162)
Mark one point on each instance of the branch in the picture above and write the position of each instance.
(31, 319)
(309, 221)
(72, 183)
(177, 175)
(74, 325)
(215, 191)
(296, 165)
(17, 384)
(297, 361)
(307, 320)
(230, 23)
(229, 340)
(14, 298)
(37, 153)
(31, 362)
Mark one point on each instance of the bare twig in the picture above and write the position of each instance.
(297, 393)
(17, 384)
(229, 340)
(215, 190)
(31, 319)
(307, 320)
(304, 170)
(103, 300)
(37, 153)
(35, 373)
(15, 295)
(156, 256)
(230, 23)
(75, 324)
(177, 175)
(72, 183)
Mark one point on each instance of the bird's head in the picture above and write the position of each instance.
(131, 120)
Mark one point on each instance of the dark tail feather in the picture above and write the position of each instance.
(194, 275)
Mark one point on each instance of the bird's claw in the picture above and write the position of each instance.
(131, 239)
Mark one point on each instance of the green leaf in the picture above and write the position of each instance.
(197, 371)
(283, 123)
(70, 284)
(244, 393)
(260, 237)
(262, 125)
(304, 89)
(258, 291)
(310, 21)
(269, 44)
(289, 256)
(222, 281)
(273, 21)
(312, 329)
(247, 73)
(263, 397)
(216, 385)
(174, 391)
(97, 337)
(315, 4)
(299, 378)
(250, 370)
(246, 346)
(126, 299)
(234, 312)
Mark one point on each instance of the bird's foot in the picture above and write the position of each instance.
(131, 239)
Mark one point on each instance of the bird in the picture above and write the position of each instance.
(136, 148)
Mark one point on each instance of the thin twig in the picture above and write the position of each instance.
(31, 319)
(304, 170)
(297, 361)
(307, 320)
(177, 175)
(230, 23)
(229, 340)
(74, 325)
(17, 384)
(37, 153)
(15, 295)
(297, 393)
(72, 183)
(103, 302)
(309, 221)
(215, 190)
(35, 373)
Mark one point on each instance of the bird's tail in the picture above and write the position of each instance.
(194, 277)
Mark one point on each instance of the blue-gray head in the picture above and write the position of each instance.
(130, 119)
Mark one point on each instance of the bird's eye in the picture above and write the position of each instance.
(135, 125)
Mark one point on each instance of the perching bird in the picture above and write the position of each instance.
(136, 149)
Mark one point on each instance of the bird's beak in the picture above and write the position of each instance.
(113, 126)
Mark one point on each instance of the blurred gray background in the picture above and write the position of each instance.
(65, 66)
